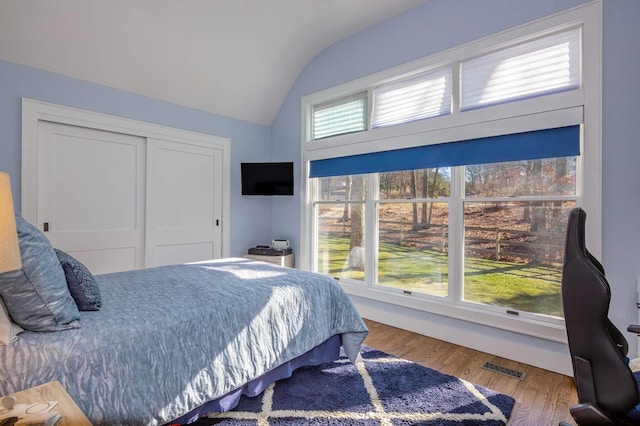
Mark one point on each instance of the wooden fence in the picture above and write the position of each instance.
(515, 243)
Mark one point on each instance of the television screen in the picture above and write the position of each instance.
(267, 178)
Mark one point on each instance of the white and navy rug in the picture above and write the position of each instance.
(379, 389)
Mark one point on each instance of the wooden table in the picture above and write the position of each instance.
(53, 391)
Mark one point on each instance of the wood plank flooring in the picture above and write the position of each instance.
(542, 397)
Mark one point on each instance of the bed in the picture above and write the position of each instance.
(174, 342)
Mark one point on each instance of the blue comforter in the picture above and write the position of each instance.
(171, 338)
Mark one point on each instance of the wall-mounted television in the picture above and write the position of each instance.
(267, 178)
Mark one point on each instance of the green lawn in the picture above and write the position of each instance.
(510, 285)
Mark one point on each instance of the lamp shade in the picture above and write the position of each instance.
(9, 248)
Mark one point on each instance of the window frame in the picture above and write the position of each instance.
(578, 106)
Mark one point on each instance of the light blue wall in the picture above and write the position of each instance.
(621, 157)
(422, 31)
(249, 142)
(441, 24)
(427, 29)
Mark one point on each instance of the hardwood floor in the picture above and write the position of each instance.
(542, 397)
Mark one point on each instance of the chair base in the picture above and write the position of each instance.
(588, 414)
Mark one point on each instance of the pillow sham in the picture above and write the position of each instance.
(8, 330)
(81, 282)
(36, 296)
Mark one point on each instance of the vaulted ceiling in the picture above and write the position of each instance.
(237, 58)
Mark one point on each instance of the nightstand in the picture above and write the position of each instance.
(286, 260)
(70, 413)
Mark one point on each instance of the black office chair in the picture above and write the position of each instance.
(607, 389)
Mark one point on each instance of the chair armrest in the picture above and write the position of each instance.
(634, 328)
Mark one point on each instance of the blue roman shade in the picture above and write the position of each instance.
(548, 143)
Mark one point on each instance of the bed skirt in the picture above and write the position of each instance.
(325, 352)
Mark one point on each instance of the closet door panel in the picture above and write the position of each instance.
(184, 187)
(91, 192)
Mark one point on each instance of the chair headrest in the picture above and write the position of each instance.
(575, 241)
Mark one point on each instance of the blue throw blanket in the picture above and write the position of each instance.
(168, 339)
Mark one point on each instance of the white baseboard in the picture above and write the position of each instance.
(557, 361)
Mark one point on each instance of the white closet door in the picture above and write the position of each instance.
(91, 186)
(184, 203)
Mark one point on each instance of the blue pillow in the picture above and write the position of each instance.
(81, 282)
(37, 296)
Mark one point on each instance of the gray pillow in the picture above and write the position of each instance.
(81, 282)
(37, 296)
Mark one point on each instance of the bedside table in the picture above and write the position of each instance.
(286, 260)
(70, 413)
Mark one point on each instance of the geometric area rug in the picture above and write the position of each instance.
(379, 389)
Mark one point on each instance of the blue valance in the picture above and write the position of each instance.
(548, 143)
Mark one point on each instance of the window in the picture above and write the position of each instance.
(339, 217)
(515, 215)
(547, 65)
(464, 175)
(345, 115)
(412, 227)
(414, 99)
(410, 233)
(514, 219)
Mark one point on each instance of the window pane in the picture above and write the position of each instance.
(338, 117)
(341, 240)
(413, 247)
(514, 254)
(342, 188)
(547, 65)
(425, 183)
(548, 177)
(414, 99)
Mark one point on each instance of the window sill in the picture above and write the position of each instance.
(504, 321)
